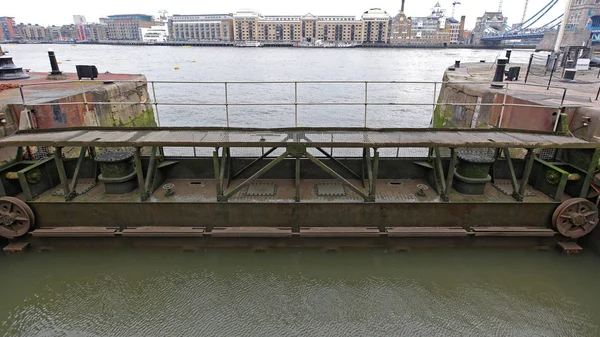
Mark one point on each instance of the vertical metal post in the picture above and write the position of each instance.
(140, 173)
(526, 173)
(440, 170)
(29, 119)
(598, 94)
(152, 166)
(503, 106)
(366, 100)
(529, 67)
(450, 177)
(564, 96)
(296, 104)
(552, 72)
(216, 170)
(434, 96)
(226, 105)
(62, 174)
(155, 104)
(375, 171)
(297, 180)
(87, 109)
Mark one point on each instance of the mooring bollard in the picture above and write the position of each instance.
(500, 68)
(508, 53)
(53, 63)
(569, 75)
(457, 64)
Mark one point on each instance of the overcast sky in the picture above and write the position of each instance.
(59, 12)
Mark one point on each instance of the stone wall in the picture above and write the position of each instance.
(102, 108)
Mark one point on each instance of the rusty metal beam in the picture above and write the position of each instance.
(327, 169)
(253, 177)
(369, 169)
(223, 167)
(140, 173)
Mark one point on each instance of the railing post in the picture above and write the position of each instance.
(366, 100)
(226, 105)
(434, 94)
(155, 103)
(296, 104)
(503, 106)
(529, 67)
(87, 109)
(552, 71)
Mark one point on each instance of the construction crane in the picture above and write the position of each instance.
(454, 7)
(525, 11)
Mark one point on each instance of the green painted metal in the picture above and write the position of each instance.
(363, 194)
(265, 155)
(338, 162)
(529, 157)
(593, 167)
(450, 177)
(82, 153)
(151, 174)
(297, 180)
(253, 177)
(60, 166)
(140, 173)
(375, 172)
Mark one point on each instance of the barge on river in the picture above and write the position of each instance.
(469, 186)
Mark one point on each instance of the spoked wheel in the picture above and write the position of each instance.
(575, 218)
(16, 218)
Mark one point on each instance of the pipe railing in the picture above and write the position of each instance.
(295, 103)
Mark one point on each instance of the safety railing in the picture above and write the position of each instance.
(424, 101)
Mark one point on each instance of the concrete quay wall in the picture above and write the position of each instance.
(68, 104)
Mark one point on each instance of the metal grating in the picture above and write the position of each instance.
(261, 190)
(330, 190)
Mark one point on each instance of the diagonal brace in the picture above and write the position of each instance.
(256, 175)
(327, 169)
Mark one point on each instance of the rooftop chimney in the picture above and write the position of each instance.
(402, 8)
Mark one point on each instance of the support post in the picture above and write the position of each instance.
(513, 174)
(152, 167)
(526, 173)
(226, 105)
(552, 71)
(369, 169)
(450, 177)
(140, 173)
(296, 104)
(223, 167)
(297, 180)
(375, 171)
(440, 170)
(216, 171)
(366, 100)
(60, 166)
(362, 168)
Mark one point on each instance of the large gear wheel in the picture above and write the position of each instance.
(16, 218)
(575, 218)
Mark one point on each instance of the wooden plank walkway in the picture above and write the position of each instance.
(311, 137)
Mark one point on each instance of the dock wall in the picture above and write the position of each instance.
(77, 104)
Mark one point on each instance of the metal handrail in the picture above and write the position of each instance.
(295, 103)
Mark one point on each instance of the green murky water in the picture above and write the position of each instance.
(300, 293)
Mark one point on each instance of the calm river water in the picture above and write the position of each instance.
(275, 64)
(291, 292)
